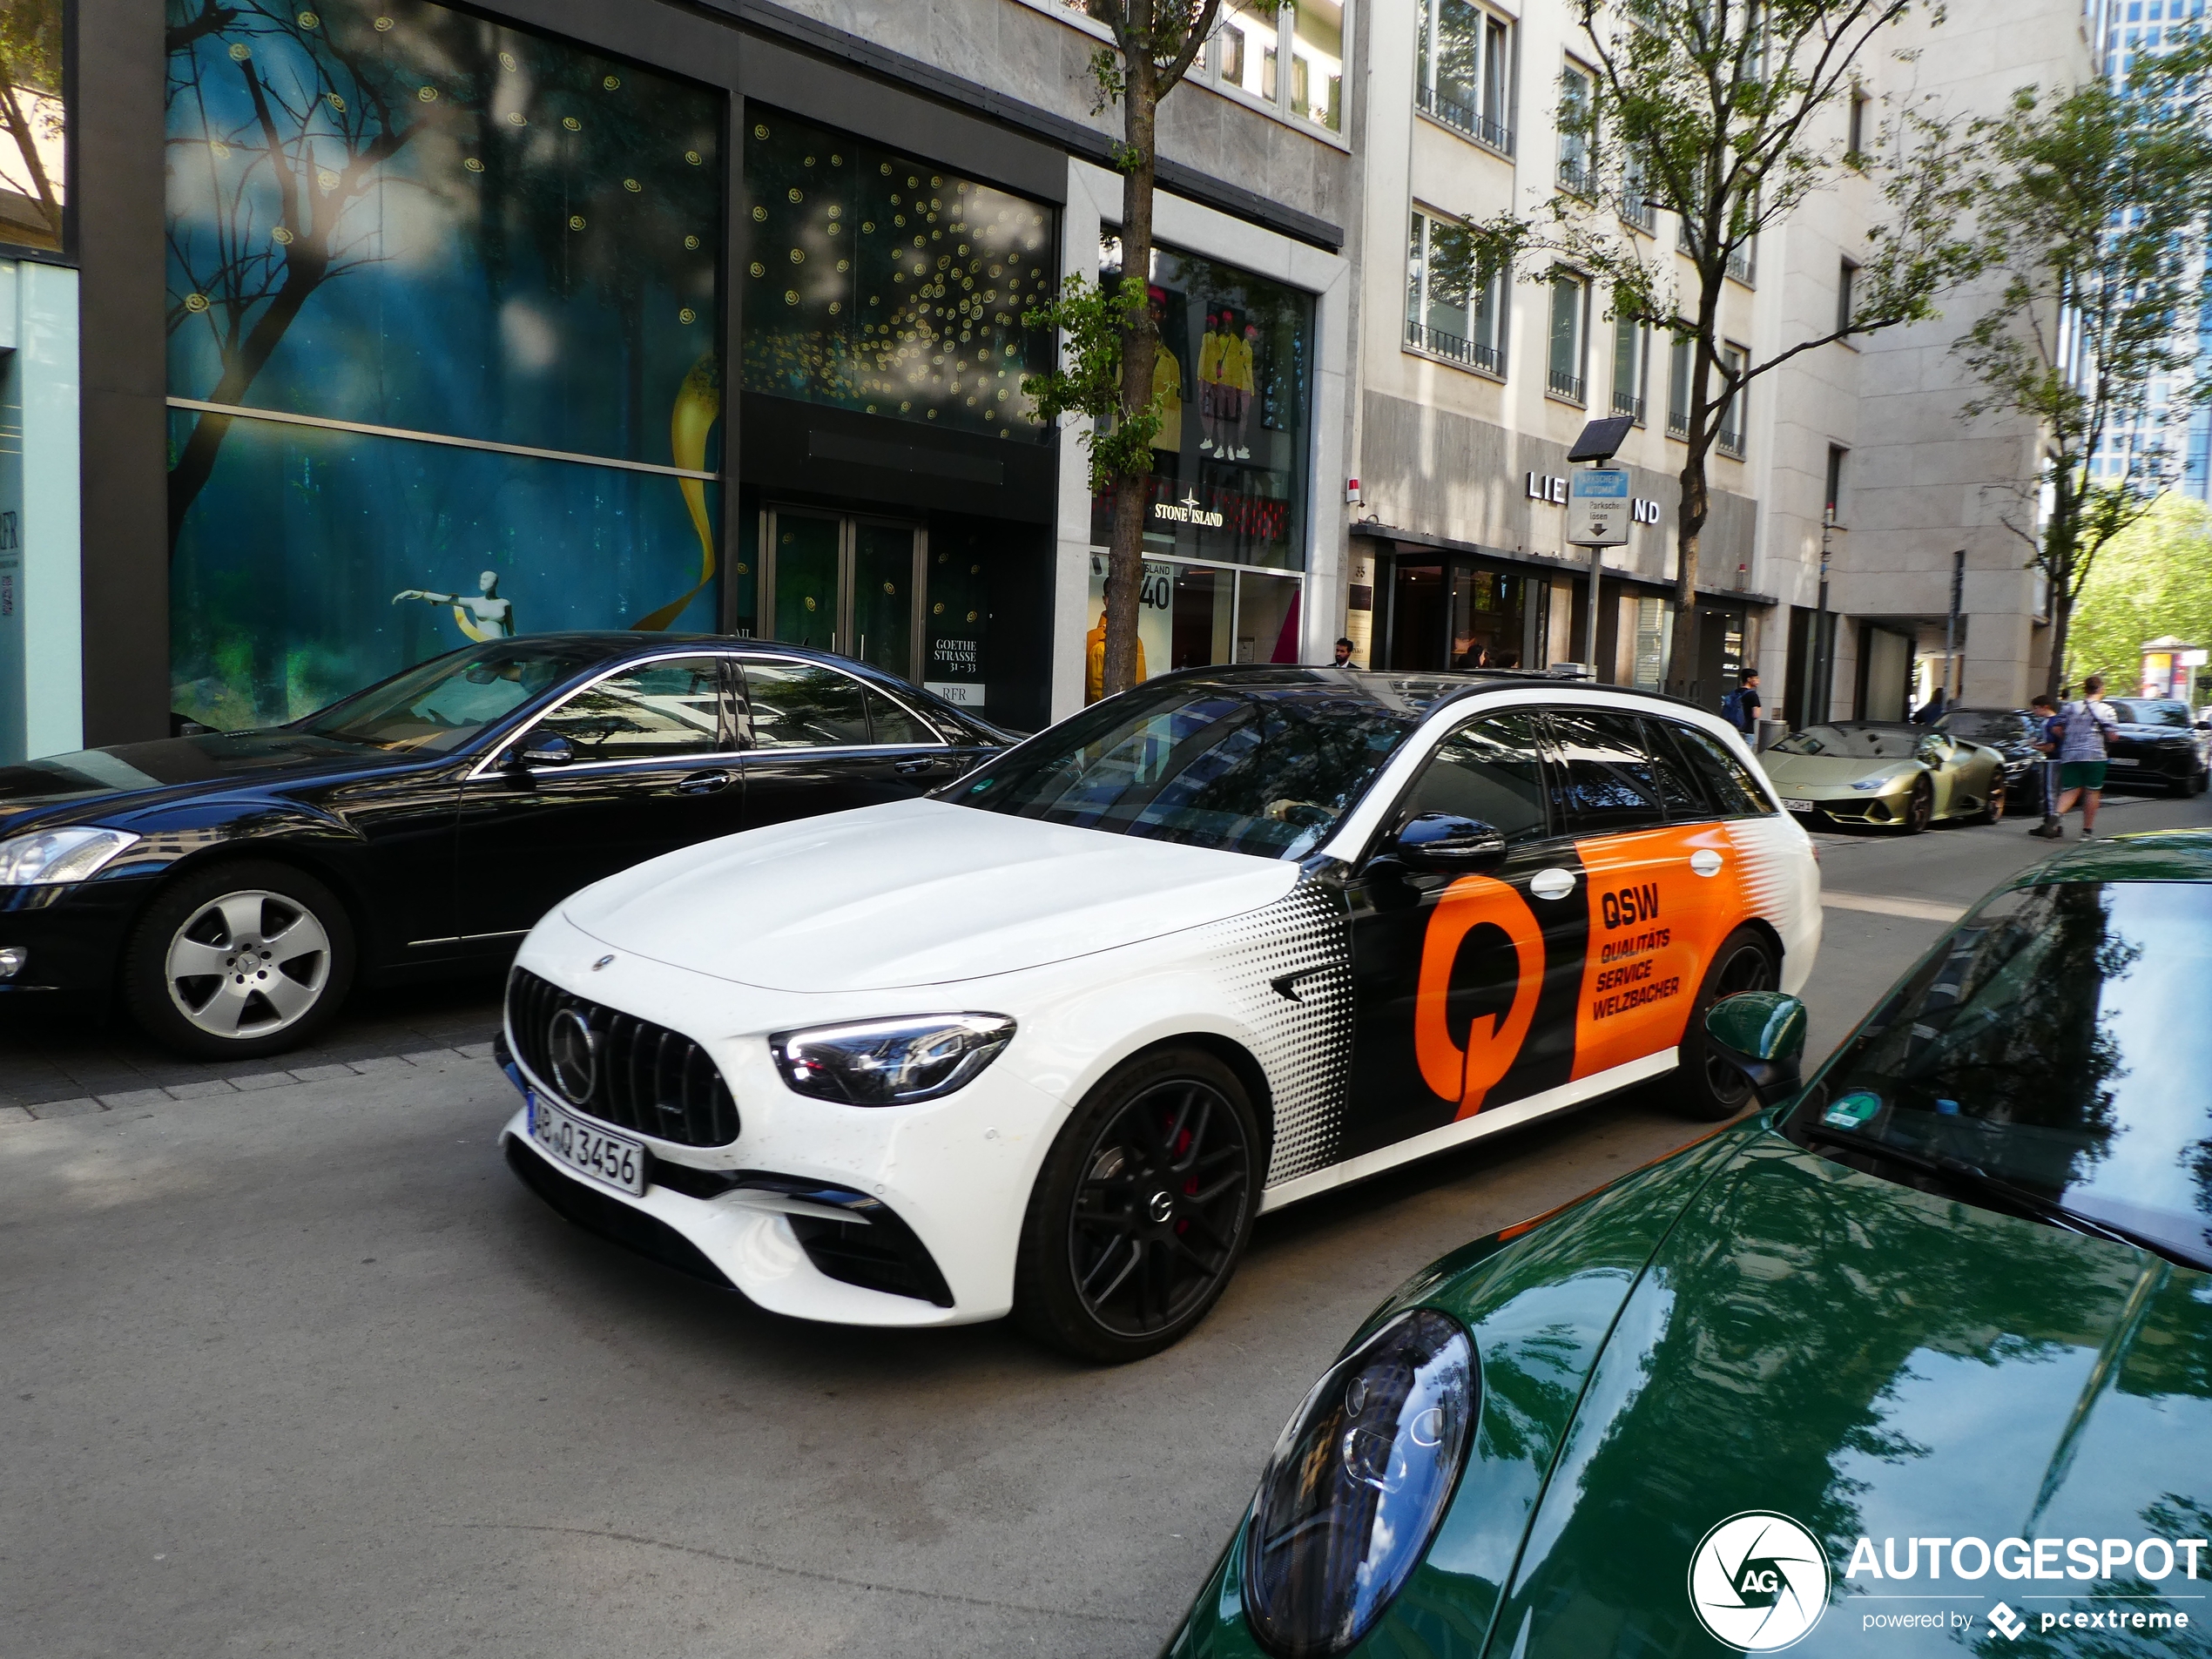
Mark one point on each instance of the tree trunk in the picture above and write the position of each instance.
(1132, 491)
(1696, 506)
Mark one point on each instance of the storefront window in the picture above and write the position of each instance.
(443, 297)
(879, 283)
(1235, 375)
(1190, 616)
(33, 125)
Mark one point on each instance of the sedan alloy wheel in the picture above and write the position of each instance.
(248, 964)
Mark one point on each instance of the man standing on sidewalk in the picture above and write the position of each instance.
(1740, 708)
(2081, 759)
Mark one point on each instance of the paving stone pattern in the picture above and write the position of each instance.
(58, 1061)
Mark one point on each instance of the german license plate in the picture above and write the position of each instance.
(2125, 760)
(586, 1148)
(1804, 806)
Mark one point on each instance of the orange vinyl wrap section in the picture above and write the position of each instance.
(1654, 924)
(1467, 1074)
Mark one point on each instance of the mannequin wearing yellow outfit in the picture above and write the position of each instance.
(1237, 370)
(1210, 355)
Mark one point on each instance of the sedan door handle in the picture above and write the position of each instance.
(706, 783)
(919, 763)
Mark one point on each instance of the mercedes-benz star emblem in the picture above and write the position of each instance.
(573, 1049)
(1161, 1207)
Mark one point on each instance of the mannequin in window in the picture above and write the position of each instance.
(1167, 380)
(1238, 365)
(1209, 354)
(482, 615)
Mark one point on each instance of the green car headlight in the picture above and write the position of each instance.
(1357, 1485)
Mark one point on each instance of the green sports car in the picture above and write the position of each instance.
(1886, 774)
(1917, 1360)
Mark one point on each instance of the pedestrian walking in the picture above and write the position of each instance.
(1740, 708)
(2046, 744)
(2081, 759)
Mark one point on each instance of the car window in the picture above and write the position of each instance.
(1488, 769)
(665, 708)
(1720, 772)
(2148, 711)
(1605, 774)
(1856, 742)
(804, 705)
(889, 723)
(1678, 790)
(438, 705)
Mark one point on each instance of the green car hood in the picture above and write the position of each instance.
(1877, 1363)
(1831, 771)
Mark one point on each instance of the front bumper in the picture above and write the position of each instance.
(2152, 765)
(1877, 807)
(895, 1215)
(72, 934)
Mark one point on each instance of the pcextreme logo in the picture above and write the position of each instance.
(1758, 1582)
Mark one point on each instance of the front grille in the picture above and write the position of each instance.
(646, 1078)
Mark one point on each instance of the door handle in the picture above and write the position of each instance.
(919, 763)
(1554, 883)
(1705, 861)
(705, 783)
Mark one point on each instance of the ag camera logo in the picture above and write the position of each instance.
(1758, 1582)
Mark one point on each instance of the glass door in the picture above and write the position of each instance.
(851, 585)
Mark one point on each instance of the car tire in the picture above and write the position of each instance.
(277, 948)
(1705, 1086)
(1919, 806)
(1993, 812)
(1142, 1208)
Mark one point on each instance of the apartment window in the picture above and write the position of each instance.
(1637, 207)
(1454, 309)
(1570, 338)
(1255, 40)
(1466, 69)
(1856, 142)
(1834, 496)
(1733, 358)
(1575, 117)
(1680, 355)
(1846, 283)
(1631, 367)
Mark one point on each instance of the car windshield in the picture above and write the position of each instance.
(2057, 1044)
(438, 705)
(1854, 742)
(1987, 726)
(1260, 768)
(2143, 710)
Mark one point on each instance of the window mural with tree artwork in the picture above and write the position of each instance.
(33, 126)
(444, 302)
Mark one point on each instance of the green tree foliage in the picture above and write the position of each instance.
(1109, 336)
(2153, 579)
(30, 113)
(2090, 202)
(1727, 115)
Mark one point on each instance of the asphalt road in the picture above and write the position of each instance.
(303, 1372)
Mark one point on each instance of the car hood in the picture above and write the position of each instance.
(1874, 1362)
(1826, 771)
(128, 775)
(914, 893)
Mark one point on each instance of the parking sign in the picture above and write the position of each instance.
(1597, 508)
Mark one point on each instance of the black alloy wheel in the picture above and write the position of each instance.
(1919, 805)
(1992, 810)
(1143, 1211)
(1706, 1086)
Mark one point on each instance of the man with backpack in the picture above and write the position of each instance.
(2080, 730)
(1740, 708)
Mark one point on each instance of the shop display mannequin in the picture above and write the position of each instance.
(484, 615)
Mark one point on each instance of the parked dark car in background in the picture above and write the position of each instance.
(2014, 733)
(2160, 745)
(231, 887)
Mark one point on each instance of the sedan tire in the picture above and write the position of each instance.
(1706, 1087)
(240, 960)
(1142, 1210)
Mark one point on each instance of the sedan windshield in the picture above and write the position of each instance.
(1854, 742)
(2151, 711)
(1260, 768)
(438, 705)
(2057, 1045)
(1989, 726)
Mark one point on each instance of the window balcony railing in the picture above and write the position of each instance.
(1625, 403)
(1640, 213)
(1439, 343)
(1731, 443)
(1740, 265)
(1576, 178)
(1462, 119)
(1559, 383)
(1677, 424)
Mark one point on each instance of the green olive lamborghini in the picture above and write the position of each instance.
(1917, 1360)
(1885, 775)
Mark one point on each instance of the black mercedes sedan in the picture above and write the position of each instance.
(2160, 745)
(231, 886)
(2014, 733)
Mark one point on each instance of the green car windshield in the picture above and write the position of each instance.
(2059, 1045)
(1253, 767)
(1855, 742)
(438, 705)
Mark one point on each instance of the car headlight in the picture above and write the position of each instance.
(888, 1062)
(1357, 1484)
(1873, 783)
(46, 858)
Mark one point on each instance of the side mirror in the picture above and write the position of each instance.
(1761, 1034)
(1444, 841)
(545, 749)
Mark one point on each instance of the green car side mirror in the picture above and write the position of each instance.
(1761, 1034)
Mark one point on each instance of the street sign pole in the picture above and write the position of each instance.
(1597, 517)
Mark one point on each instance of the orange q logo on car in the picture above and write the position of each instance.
(1467, 1074)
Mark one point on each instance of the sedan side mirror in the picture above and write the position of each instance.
(545, 749)
(1761, 1034)
(1445, 841)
